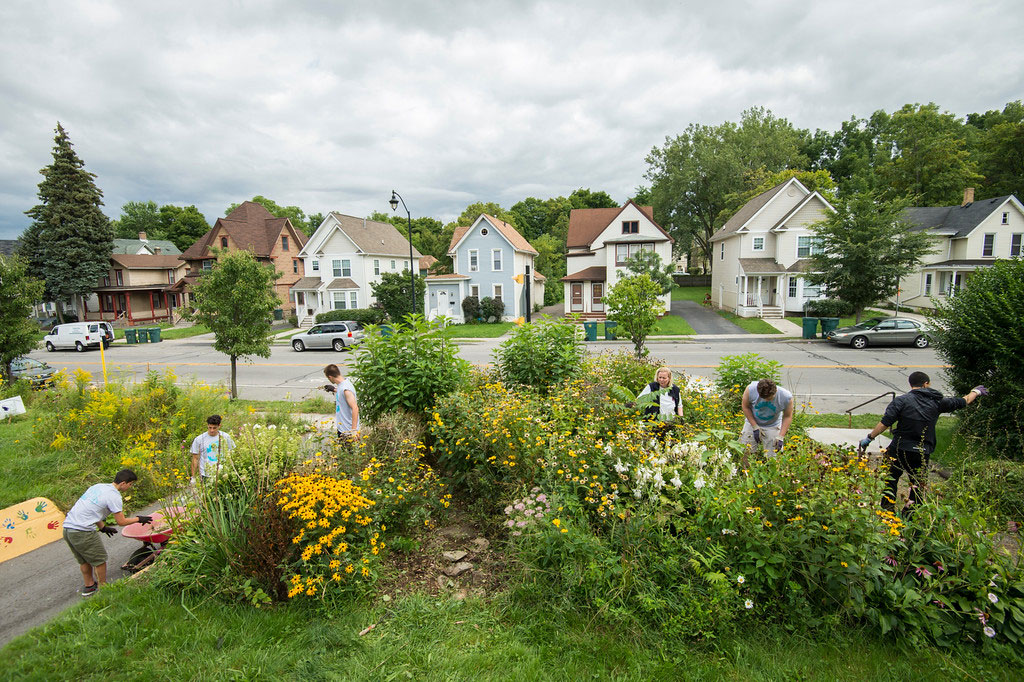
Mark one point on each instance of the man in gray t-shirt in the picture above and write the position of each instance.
(769, 412)
(346, 409)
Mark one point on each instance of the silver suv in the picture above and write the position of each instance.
(336, 335)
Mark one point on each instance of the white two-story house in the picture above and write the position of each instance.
(489, 258)
(759, 256)
(342, 259)
(598, 243)
(967, 238)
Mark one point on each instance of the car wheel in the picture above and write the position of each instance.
(298, 346)
(79, 347)
(50, 347)
(339, 345)
(921, 341)
(859, 342)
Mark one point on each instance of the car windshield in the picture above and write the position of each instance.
(869, 324)
(26, 363)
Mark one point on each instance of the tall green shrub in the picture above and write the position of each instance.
(979, 338)
(407, 369)
(540, 354)
(735, 372)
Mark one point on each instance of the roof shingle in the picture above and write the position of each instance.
(587, 224)
(957, 221)
(373, 237)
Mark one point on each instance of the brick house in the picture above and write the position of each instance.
(250, 227)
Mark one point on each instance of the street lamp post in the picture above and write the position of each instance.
(395, 198)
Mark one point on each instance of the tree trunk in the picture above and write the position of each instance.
(234, 382)
(857, 313)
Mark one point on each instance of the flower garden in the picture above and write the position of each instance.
(649, 533)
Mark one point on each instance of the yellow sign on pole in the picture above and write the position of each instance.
(28, 526)
(103, 358)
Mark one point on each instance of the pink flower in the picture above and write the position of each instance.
(889, 560)
(923, 572)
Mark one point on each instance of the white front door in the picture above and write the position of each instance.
(597, 293)
(576, 297)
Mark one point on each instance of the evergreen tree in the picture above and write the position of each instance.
(69, 241)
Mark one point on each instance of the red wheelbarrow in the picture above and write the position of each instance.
(153, 536)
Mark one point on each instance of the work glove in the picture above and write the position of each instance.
(866, 442)
(330, 388)
(108, 530)
(778, 445)
(145, 519)
(757, 436)
(980, 390)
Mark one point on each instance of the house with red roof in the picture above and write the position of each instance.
(250, 227)
(489, 259)
(599, 242)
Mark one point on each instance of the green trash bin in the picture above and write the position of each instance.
(278, 314)
(154, 334)
(131, 335)
(810, 327)
(143, 334)
(609, 330)
(828, 324)
(590, 329)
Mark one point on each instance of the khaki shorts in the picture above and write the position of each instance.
(87, 546)
(769, 434)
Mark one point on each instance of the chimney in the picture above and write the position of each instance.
(156, 250)
(968, 196)
(142, 235)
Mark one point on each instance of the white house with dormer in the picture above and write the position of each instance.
(760, 256)
(598, 244)
(489, 258)
(342, 259)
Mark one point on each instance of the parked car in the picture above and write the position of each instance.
(39, 374)
(883, 331)
(336, 335)
(77, 335)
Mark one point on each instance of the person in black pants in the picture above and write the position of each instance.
(913, 438)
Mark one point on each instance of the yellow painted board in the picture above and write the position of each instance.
(28, 526)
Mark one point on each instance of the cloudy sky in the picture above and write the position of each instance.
(330, 105)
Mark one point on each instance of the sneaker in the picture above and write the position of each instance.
(90, 590)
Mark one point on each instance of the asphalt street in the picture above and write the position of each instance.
(828, 378)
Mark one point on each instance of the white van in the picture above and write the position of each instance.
(77, 335)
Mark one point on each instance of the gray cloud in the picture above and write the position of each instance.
(331, 105)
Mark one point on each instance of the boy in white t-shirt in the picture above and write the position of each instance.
(769, 412)
(208, 447)
(346, 409)
(87, 519)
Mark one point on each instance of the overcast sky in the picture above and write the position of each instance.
(330, 105)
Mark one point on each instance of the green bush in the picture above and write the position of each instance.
(492, 309)
(828, 307)
(634, 302)
(406, 370)
(998, 484)
(361, 315)
(540, 354)
(471, 309)
(394, 295)
(978, 339)
(293, 320)
(624, 369)
(735, 372)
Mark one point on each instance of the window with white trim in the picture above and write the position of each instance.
(496, 260)
(346, 300)
(1015, 244)
(474, 260)
(624, 252)
(393, 268)
(808, 246)
(758, 244)
(497, 292)
(721, 252)
(927, 284)
(988, 247)
(336, 267)
(811, 290)
(376, 266)
(474, 290)
(346, 268)
(315, 265)
(792, 287)
(1006, 218)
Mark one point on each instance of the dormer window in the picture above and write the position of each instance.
(630, 227)
(758, 243)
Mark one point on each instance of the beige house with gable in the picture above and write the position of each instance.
(760, 256)
(967, 238)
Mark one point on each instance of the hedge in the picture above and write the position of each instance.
(361, 315)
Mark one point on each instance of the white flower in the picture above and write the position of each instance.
(750, 510)
(989, 632)
(993, 598)
(740, 579)
(638, 493)
(749, 604)
(729, 531)
(676, 481)
(698, 482)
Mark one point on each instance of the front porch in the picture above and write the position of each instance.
(143, 305)
(312, 296)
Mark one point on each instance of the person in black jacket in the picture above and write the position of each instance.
(669, 403)
(913, 438)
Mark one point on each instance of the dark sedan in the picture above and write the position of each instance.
(883, 331)
(39, 374)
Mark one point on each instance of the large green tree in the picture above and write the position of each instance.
(236, 300)
(392, 294)
(693, 174)
(69, 242)
(136, 217)
(295, 214)
(18, 292)
(649, 263)
(761, 180)
(864, 250)
(182, 225)
(429, 235)
(924, 157)
(999, 149)
(635, 305)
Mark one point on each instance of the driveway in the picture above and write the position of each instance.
(704, 320)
